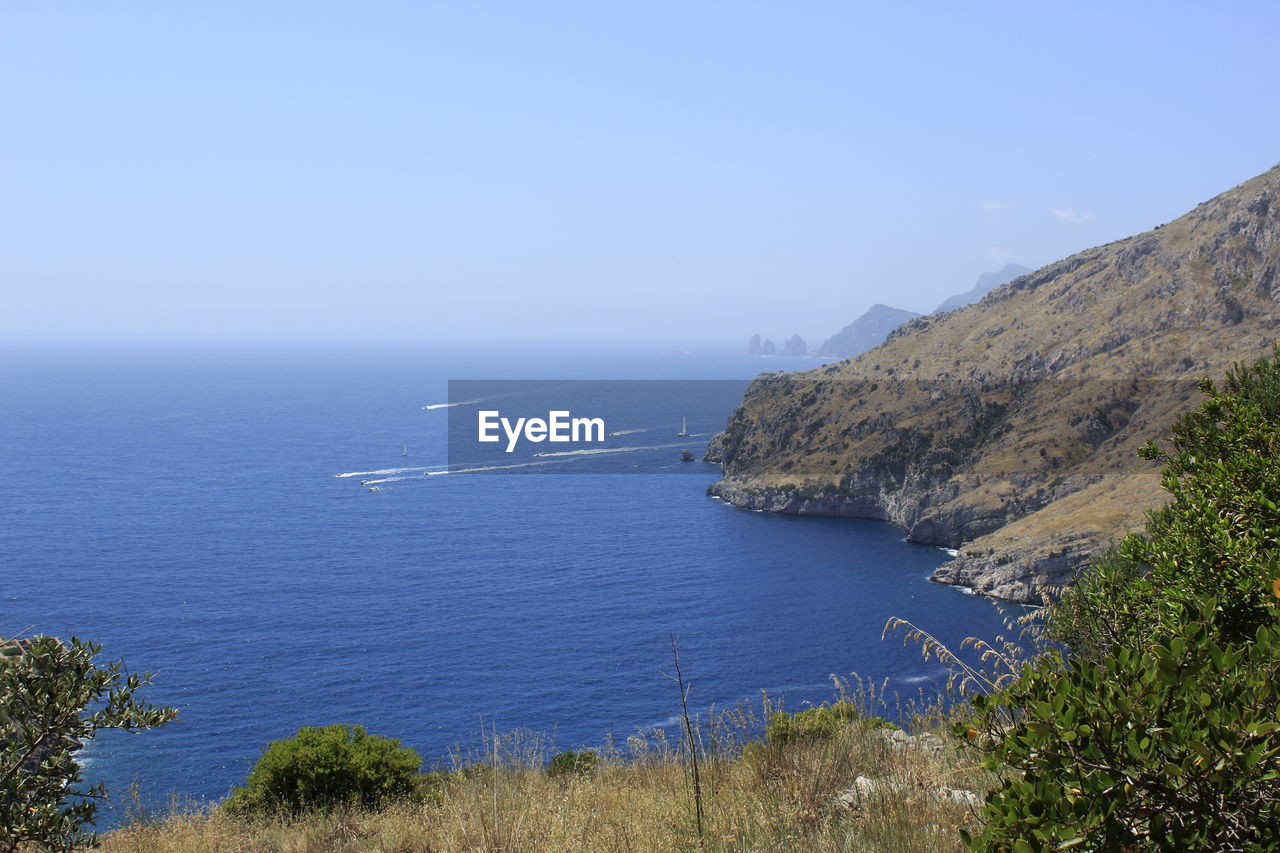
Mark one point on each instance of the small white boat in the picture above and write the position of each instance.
(684, 427)
(374, 489)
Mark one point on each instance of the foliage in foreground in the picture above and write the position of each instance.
(1160, 732)
(52, 700)
(1173, 745)
(324, 768)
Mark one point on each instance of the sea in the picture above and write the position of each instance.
(277, 536)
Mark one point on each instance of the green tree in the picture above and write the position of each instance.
(1161, 730)
(321, 768)
(53, 699)
(1218, 536)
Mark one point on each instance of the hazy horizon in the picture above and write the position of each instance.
(328, 172)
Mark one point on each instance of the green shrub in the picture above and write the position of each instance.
(320, 768)
(570, 763)
(1099, 608)
(814, 724)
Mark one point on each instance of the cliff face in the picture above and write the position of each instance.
(1009, 428)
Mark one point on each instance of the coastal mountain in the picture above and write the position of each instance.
(987, 282)
(866, 332)
(1008, 428)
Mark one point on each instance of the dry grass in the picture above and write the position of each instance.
(782, 798)
(1096, 513)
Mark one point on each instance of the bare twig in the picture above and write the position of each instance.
(693, 745)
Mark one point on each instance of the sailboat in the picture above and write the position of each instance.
(684, 427)
(405, 452)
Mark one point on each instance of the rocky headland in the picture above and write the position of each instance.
(1009, 428)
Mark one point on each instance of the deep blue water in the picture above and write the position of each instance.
(181, 508)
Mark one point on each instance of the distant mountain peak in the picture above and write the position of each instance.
(866, 332)
(987, 282)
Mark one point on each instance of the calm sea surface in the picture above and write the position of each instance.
(181, 508)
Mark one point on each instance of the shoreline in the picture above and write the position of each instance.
(1018, 577)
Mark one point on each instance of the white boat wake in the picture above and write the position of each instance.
(395, 475)
(449, 405)
(384, 471)
(599, 450)
(487, 468)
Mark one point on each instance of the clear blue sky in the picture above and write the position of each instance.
(692, 171)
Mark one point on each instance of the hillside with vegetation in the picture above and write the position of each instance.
(1009, 428)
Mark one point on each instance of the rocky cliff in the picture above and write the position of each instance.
(1008, 429)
